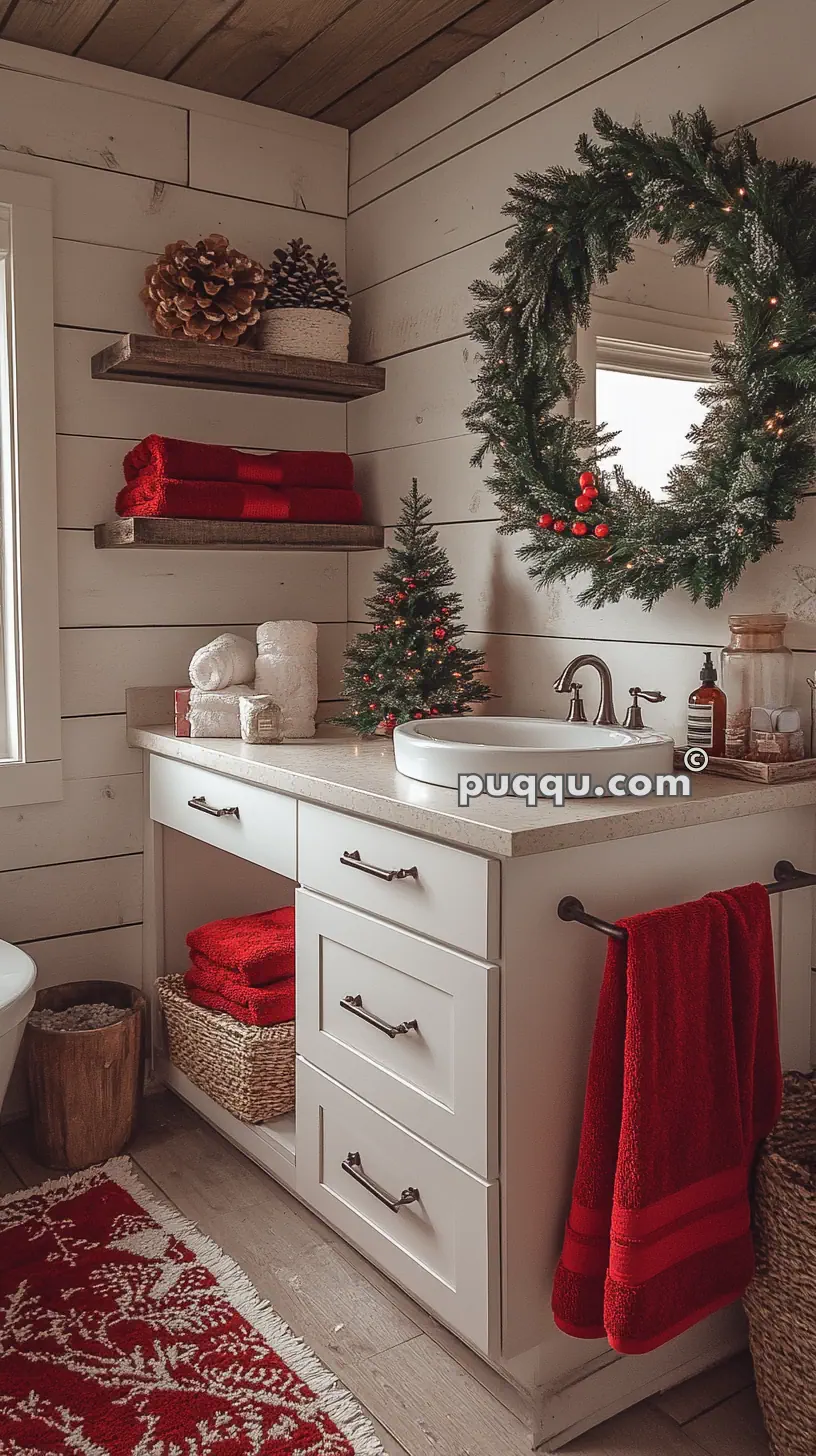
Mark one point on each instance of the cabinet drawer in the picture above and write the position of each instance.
(438, 1076)
(453, 896)
(442, 1246)
(263, 830)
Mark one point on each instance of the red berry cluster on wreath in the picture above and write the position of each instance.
(583, 503)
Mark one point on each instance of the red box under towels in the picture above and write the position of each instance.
(181, 724)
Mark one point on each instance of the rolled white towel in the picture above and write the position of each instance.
(217, 715)
(292, 681)
(287, 637)
(222, 663)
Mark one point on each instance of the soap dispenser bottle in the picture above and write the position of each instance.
(706, 712)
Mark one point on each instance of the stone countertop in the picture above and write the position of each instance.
(341, 772)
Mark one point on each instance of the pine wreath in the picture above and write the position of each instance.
(753, 456)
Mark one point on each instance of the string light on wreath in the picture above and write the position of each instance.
(687, 538)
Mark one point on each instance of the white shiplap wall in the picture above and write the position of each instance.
(428, 180)
(137, 163)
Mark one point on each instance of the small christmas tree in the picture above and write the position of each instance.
(411, 665)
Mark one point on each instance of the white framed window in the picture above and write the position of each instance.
(30, 753)
(642, 370)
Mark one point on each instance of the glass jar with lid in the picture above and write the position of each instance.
(757, 678)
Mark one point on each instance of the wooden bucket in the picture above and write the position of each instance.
(85, 1087)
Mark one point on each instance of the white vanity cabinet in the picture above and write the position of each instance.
(445, 1014)
(443, 893)
(411, 1026)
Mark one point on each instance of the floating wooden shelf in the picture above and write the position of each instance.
(147, 359)
(177, 535)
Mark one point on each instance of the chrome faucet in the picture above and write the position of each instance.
(606, 711)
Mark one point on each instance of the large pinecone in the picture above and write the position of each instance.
(297, 279)
(205, 290)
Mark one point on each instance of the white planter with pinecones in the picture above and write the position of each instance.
(307, 311)
(311, 333)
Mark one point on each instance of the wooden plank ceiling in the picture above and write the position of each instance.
(342, 61)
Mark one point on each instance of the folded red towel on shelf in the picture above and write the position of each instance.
(253, 1005)
(158, 455)
(253, 949)
(219, 500)
(265, 973)
(684, 1081)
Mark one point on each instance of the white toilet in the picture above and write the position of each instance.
(17, 976)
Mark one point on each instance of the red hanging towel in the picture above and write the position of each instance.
(254, 949)
(218, 500)
(684, 1081)
(253, 1005)
(159, 455)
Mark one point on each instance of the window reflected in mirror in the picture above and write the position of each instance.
(653, 414)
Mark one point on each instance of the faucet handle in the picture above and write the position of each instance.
(576, 712)
(634, 716)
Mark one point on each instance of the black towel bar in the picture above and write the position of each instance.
(786, 877)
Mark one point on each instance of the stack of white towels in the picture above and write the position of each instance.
(283, 664)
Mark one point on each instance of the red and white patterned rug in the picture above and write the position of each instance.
(125, 1332)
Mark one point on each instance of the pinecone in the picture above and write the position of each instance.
(297, 279)
(205, 290)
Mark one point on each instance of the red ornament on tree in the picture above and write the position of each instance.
(602, 529)
(373, 707)
(583, 503)
(559, 526)
(419, 715)
(586, 478)
(366, 677)
(579, 528)
(451, 647)
(591, 491)
(440, 633)
(545, 521)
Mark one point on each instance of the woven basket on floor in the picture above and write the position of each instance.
(781, 1302)
(310, 333)
(249, 1070)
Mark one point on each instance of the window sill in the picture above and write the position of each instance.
(30, 783)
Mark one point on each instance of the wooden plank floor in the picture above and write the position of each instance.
(426, 1393)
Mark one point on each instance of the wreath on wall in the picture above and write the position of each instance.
(754, 455)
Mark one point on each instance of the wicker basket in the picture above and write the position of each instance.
(311, 333)
(781, 1302)
(250, 1070)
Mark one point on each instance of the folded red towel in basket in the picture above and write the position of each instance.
(159, 455)
(223, 500)
(253, 1005)
(250, 949)
(684, 1081)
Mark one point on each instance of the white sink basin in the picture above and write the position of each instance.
(438, 751)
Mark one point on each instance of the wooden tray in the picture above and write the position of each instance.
(757, 773)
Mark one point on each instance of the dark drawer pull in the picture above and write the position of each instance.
(353, 1165)
(351, 858)
(354, 1004)
(205, 808)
